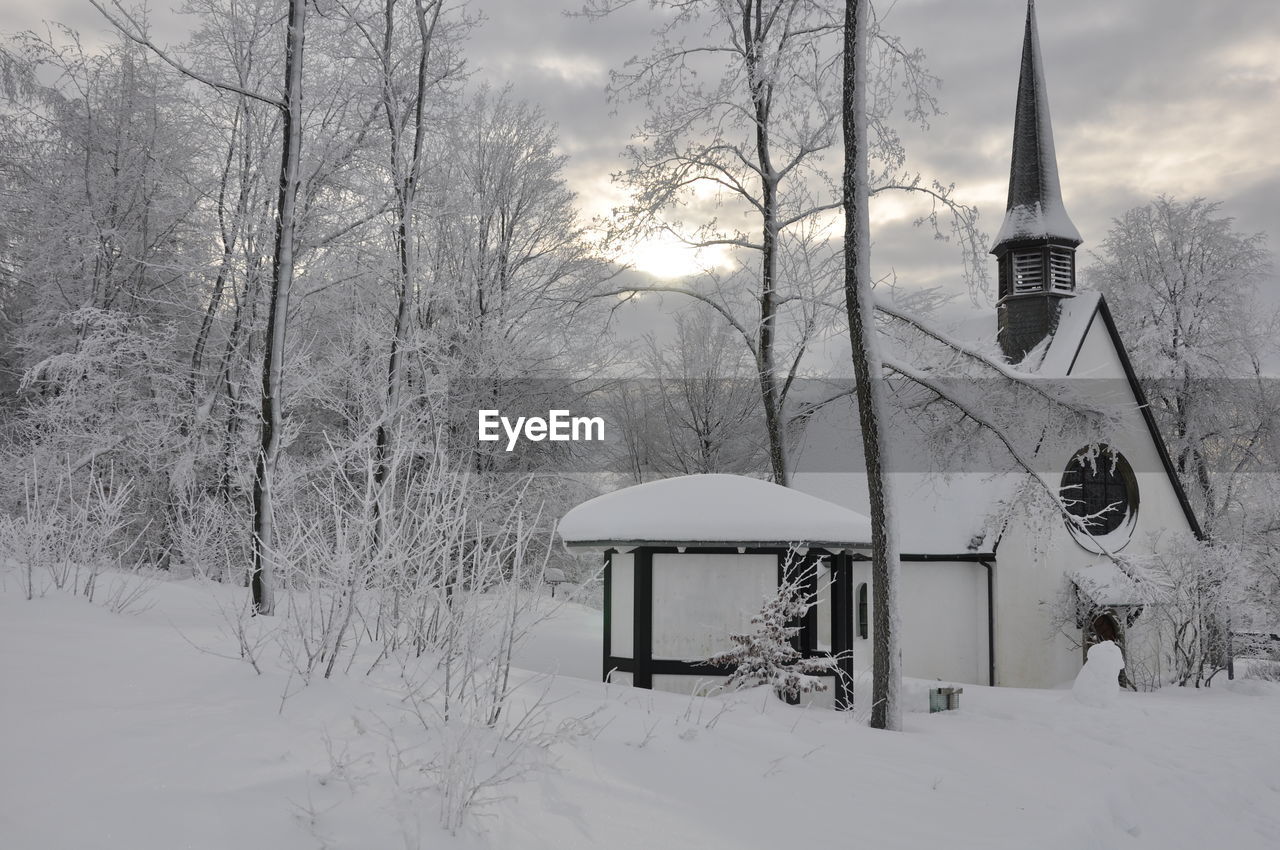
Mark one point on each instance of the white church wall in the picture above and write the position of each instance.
(700, 599)
(944, 621)
(1030, 576)
(1158, 506)
(1033, 562)
(622, 586)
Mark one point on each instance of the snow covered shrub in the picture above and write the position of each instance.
(1265, 669)
(454, 626)
(437, 582)
(27, 540)
(61, 536)
(766, 654)
(125, 591)
(109, 400)
(1188, 591)
(1197, 585)
(209, 538)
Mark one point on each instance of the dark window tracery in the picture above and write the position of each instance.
(1099, 487)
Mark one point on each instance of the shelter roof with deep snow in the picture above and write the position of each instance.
(713, 510)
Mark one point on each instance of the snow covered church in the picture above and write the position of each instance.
(688, 560)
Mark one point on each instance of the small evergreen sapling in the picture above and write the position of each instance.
(766, 654)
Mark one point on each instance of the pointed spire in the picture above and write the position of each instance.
(1035, 209)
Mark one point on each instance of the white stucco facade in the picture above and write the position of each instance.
(988, 582)
(1035, 557)
(1031, 554)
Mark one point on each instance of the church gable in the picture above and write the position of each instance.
(982, 549)
(1087, 347)
(1049, 330)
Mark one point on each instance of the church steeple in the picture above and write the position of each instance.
(1035, 248)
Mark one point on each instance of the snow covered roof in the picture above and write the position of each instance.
(957, 514)
(1055, 357)
(1035, 209)
(1107, 586)
(713, 509)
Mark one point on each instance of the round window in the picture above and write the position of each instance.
(1100, 490)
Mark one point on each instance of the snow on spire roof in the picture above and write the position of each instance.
(1035, 209)
(713, 509)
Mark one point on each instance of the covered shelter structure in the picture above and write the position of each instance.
(689, 561)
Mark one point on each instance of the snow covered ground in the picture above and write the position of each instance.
(127, 731)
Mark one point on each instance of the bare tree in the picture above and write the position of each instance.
(710, 411)
(886, 709)
(750, 144)
(272, 397)
(403, 54)
(101, 215)
(507, 257)
(1185, 288)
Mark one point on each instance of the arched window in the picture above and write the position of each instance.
(1099, 487)
(863, 630)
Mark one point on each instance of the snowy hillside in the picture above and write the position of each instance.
(133, 731)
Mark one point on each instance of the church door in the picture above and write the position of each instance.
(1105, 628)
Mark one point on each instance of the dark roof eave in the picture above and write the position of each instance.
(772, 545)
(715, 544)
(1144, 405)
(1016, 242)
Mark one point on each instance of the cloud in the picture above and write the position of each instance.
(1147, 96)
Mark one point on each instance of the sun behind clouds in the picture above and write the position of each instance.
(664, 256)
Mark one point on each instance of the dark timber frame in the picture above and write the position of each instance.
(643, 666)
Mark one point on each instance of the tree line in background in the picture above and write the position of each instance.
(225, 293)
(255, 287)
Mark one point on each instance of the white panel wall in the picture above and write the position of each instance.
(699, 600)
(821, 699)
(1036, 553)
(622, 605)
(944, 621)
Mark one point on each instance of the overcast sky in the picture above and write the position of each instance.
(1147, 97)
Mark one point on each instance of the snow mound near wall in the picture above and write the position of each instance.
(1098, 682)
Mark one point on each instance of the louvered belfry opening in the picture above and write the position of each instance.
(1028, 271)
(1038, 269)
(1062, 269)
(1034, 279)
(1036, 246)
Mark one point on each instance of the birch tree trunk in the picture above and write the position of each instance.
(406, 175)
(886, 710)
(227, 232)
(262, 575)
(761, 99)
